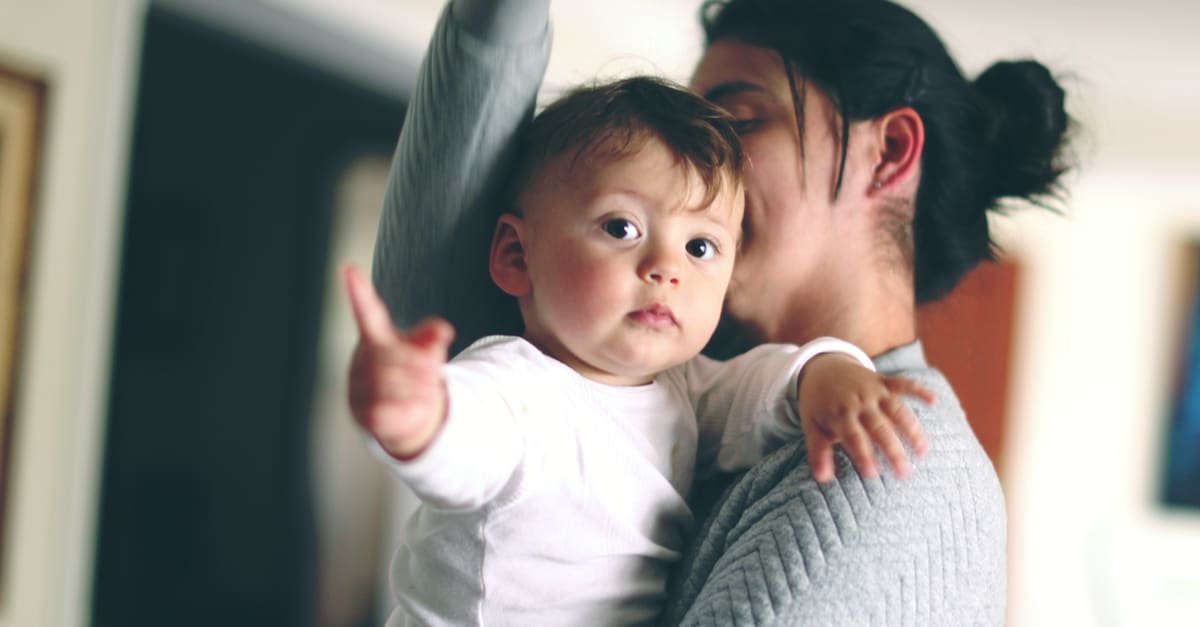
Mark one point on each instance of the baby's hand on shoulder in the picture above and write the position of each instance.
(396, 388)
(841, 402)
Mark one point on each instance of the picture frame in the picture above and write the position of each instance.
(1180, 486)
(22, 101)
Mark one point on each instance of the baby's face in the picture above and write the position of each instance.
(628, 265)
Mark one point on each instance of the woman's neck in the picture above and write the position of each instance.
(876, 315)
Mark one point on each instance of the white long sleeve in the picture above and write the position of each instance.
(747, 406)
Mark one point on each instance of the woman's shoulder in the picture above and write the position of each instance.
(939, 535)
(909, 361)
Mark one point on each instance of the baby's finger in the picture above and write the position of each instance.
(862, 453)
(898, 412)
(370, 312)
(885, 438)
(908, 387)
(433, 334)
(820, 454)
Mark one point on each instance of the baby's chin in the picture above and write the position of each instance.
(650, 366)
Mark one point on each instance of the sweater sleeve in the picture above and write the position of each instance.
(502, 22)
(747, 406)
(477, 85)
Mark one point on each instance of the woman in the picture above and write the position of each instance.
(873, 164)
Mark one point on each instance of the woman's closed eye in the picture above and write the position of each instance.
(622, 229)
(702, 248)
(744, 126)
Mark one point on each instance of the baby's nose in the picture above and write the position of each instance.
(661, 267)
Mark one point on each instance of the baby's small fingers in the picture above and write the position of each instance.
(885, 438)
(820, 451)
(820, 457)
(908, 387)
(900, 415)
(862, 453)
(370, 313)
(908, 425)
(433, 334)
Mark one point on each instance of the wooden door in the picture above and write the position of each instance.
(969, 337)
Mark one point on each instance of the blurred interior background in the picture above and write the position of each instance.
(180, 180)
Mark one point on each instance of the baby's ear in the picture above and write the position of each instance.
(507, 260)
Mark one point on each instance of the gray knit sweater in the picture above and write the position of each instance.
(781, 549)
(778, 549)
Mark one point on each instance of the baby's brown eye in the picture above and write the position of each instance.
(701, 248)
(622, 229)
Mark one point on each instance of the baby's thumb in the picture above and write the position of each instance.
(432, 334)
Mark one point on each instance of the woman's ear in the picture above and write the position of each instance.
(901, 135)
(507, 261)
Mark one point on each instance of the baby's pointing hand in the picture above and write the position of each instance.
(843, 402)
(396, 388)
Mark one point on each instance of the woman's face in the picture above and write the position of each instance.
(794, 230)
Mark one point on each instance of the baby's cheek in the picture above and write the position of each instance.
(584, 291)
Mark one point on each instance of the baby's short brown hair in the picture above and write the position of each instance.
(611, 120)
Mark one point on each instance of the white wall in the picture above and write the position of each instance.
(83, 49)
(1098, 312)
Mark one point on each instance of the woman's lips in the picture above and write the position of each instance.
(656, 316)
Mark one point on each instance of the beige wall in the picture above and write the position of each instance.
(83, 50)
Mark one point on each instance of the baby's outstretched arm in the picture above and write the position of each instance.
(840, 401)
(396, 388)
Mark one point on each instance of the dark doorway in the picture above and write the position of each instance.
(206, 514)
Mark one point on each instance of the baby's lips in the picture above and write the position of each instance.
(655, 315)
(658, 309)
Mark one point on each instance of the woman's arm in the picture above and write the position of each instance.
(477, 85)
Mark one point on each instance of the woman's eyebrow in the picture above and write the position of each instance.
(725, 91)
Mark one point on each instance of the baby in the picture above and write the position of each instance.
(554, 468)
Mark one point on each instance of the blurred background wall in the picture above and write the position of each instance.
(85, 52)
(109, 338)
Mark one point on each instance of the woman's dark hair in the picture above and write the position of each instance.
(998, 137)
(610, 120)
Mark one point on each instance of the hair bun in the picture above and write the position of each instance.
(1028, 127)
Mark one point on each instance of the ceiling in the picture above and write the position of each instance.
(1130, 69)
